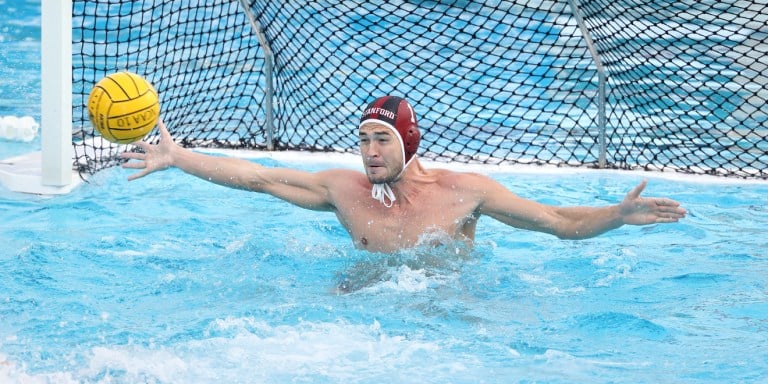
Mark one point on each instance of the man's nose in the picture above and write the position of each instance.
(371, 150)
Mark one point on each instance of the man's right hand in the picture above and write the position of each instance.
(156, 157)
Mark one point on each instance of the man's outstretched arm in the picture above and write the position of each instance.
(578, 222)
(167, 154)
(304, 189)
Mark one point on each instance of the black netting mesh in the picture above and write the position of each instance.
(688, 83)
(492, 82)
(203, 60)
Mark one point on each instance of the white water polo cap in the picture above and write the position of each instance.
(396, 114)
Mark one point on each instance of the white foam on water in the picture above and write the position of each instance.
(16, 128)
(405, 279)
(614, 267)
(250, 350)
(569, 368)
(557, 291)
(11, 372)
(533, 278)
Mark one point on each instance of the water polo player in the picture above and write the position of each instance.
(397, 199)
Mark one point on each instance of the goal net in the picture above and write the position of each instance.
(631, 84)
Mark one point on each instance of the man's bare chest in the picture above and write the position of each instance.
(400, 226)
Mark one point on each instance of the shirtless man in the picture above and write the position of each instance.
(397, 200)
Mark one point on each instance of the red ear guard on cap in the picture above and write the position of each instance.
(396, 113)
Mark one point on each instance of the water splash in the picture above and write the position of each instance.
(15, 128)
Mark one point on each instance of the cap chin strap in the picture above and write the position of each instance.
(383, 192)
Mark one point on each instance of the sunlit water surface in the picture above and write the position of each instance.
(169, 279)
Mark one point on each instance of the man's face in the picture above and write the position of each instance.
(382, 153)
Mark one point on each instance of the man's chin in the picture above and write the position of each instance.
(381, 176)
(379, 179)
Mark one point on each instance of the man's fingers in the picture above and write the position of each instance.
(668, 203)
(135, 165)
(132, 155)
(670, 208)
(143, 145)
(662, 202)
(148, 157)
(137, 175)
(164, 134)
(635, 193)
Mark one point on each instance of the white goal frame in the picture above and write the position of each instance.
(50, 171)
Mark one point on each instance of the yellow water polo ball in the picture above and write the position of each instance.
(123, 107)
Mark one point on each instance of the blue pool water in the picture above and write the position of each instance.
(171, 280)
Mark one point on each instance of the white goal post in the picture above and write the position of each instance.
(50, 170)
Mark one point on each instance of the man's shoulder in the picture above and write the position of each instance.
(464, 182)
(448, 174)
(341, 172)
(342, 175)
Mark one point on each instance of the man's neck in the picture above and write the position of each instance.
(406, 185)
